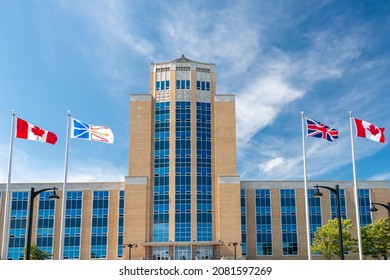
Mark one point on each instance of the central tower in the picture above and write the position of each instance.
(182, 198)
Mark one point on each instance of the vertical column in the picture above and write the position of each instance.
(230, 214)
(86, 223)
(113, 212)
(135, 215)
(141, 149)
(223, 148)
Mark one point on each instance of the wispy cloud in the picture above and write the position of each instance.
(285, 78)
(115, 35)
(223, 36)
(380, 177)
(96, 171)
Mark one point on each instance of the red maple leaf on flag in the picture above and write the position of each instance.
(37, 131)
(373, 129)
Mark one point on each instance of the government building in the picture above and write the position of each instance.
(182, 198)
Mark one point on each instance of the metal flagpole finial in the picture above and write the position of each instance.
(13, 111)
(68, 113)
(302, 114)
(350, 113)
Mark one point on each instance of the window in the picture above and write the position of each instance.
(263, 223)
(183, 84)
(288, 222)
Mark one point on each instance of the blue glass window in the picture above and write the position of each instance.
(161, 173)
(99, 224)
(162, 85)
(183, 84)
(315, 218)
(203, 85)
(121, 210)
(364, 207)
(45, 226)
(243, 222)
(73, 224)
(183, 172)
(203, 169)
(289, 222)
(333, 204)
(263, 222)
(18, 225)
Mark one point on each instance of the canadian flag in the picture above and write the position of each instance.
(29, 131)
(370, 131)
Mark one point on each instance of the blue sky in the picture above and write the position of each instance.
(279, 58)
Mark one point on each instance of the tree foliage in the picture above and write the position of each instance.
(326, 239)
(37, 254)
(376, 239)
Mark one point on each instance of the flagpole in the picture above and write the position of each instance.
(63, 214)
(6, 215)
(355, 191)
(306, 191)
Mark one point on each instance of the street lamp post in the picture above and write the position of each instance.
(234, 244)
(373, 209)
(33, 194)
(336, 191)
(130, 247)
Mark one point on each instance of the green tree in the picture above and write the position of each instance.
(37, 254)
(376, 239)
(326, 239)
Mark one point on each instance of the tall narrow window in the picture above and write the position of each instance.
(203, 170)
(243, 222)
(263, 222)
(364, 206)
(161, 173)
(99, 225)
(333, 204)
(121, 210)
(183, 172)
(74, 201)
(45, 227)
(289, 222)
(18, 225)
(315, 218)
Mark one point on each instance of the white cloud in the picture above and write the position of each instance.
(286, 78)
(260, 102)
(380, 177)
(115, 36)
(272, 164)
(96, 171)
(223, 35)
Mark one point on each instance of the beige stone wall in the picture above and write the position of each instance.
(223, 163)
(135, 216)
(140, 149)
(230, 218)
(113, 212)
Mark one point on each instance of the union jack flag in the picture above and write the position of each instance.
(86, 131)
(319, 130)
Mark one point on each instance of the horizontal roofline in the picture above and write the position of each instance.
(182, 59)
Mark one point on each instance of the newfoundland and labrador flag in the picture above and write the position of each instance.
(25, 130)
(319, 130)
(82, 130)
